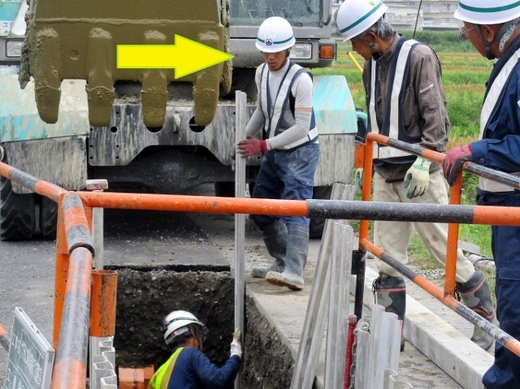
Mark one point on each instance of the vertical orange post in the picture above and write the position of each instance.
(61, 274)
(367, 185)
(70, 367)
(103, 303)
(450, 270)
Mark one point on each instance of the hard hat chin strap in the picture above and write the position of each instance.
(503, 35)
(375, 53)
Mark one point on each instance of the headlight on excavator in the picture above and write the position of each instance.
(13, 48)
(301, 51)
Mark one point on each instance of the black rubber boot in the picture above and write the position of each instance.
(390, 292)
(275, 239)
(476, 295)
(295, 259)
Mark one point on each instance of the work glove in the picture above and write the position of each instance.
(358, 180)
(453, 162)
(417, 178)
(251, 146)
(236, 347)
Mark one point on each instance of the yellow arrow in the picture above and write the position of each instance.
(185, 56)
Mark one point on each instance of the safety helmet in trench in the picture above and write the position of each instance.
(487, 12)
(274, 35)
(176, 323)
(355, 17)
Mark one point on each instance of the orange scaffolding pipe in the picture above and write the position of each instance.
(504, 338)
(70, 369)
(75, 250)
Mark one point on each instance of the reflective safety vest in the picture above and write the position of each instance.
(392, 125)
(492, 99)
(158, 381)
(274, 111)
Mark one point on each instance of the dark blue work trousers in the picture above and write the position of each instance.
(505, 372)
(286, 175)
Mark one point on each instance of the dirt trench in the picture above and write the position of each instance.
(144, 297)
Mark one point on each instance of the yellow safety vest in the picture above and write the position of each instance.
(166, 369)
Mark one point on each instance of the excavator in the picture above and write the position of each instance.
(69, 113)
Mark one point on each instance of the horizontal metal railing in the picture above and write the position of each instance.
(75, 250)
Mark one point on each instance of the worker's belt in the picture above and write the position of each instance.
(311, 135)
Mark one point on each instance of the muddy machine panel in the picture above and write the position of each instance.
(78, 39)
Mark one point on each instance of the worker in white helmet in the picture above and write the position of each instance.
(493, 29)
(405, 101)
(283, 129)
(188, 367)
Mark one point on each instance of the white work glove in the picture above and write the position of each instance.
(236, 347)
(417, 178)
(358, 180)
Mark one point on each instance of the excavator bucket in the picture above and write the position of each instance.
(78, 39)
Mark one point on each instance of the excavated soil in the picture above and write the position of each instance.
(146, 296)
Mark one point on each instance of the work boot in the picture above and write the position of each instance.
(275, 239)
(295, 259)
(390, 292)
(476, 296)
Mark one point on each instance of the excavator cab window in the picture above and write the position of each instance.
(301, 13)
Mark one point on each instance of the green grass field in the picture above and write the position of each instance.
(464, 74)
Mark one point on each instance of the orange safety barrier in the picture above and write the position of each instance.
(70, 365)
(481, 215)
(75, 251)
(201, 204)
(103, 303)
(507, 340)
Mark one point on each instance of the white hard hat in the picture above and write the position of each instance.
(176, 323)
(275, 34)
(487, 12)
(357, 16)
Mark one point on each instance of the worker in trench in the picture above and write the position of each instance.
(405, 101)
(493, 28)
(283, 129)
(188, 367)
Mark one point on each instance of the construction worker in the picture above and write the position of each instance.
(286, 134)
(405, 100)
(493, 29)
(188, 367)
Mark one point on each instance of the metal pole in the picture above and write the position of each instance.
(61, 273)
(499, 335)
(70, 369)
(240, 219)
(98, 222)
